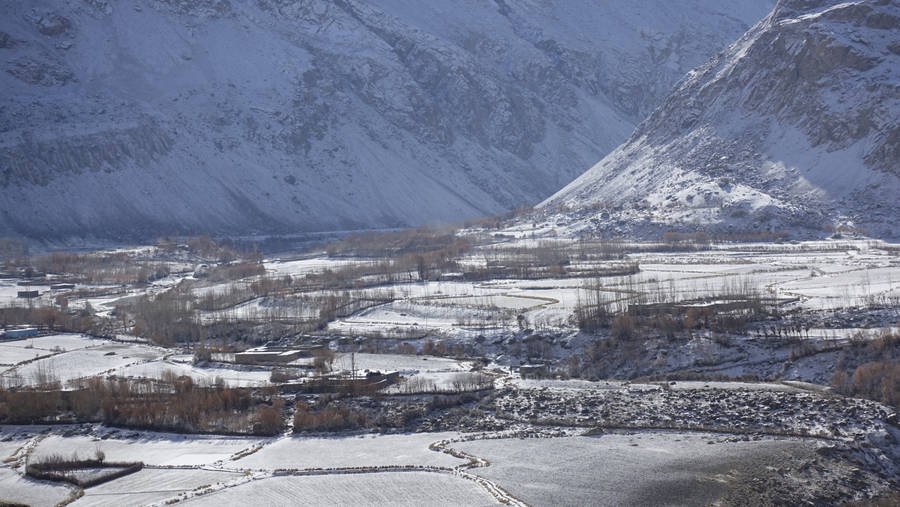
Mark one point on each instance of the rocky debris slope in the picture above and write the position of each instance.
(795, 128)
(144, 117)
(857, 441)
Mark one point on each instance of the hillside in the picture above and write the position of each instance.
(794, 129)
(135, 118)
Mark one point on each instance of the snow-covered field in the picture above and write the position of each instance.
(78, 356)
(89, 362)
(404, 364)
(15, 351)
(551, 463)
(152, 448)
(23, 490)
(412, 489)
(637, 467)
(623, 469)
(297, 452)
(824, 275)
(150, 486)
(308, 266)
(620, 468)
(9, 291)
(440, 371)
(232, 377)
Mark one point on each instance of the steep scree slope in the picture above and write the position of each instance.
(134, 118)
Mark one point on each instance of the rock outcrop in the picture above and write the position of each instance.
(794, 129)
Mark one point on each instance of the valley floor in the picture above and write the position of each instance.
(528, 372)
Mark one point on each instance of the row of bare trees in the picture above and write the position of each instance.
(170, 404)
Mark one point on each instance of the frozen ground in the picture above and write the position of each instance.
(440, 371)
(639, 469)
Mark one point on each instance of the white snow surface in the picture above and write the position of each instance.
(16, 351)
(19, 489)
(640, 468)
(152, 448)
(793, 129)
(258, 117)
(411, 489)
(298, 452)
(150, 486)
(101, 360)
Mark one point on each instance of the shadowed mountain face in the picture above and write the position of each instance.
(795, 128)
(142, 117)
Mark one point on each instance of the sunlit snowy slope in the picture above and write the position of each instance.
(795, 128)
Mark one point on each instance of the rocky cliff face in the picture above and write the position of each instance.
(142, 117)
(795, 128)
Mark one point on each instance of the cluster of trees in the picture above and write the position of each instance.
(117, 267)
(171, 404)
(624, 309)
(877, 380)
(316, 418)
(702, 239)
(401, 268)
(235, 271)
(56, 468)
(670, 323)
(329, 413)
(553, 259)
(396, 243)
(459, 383)
(205, 248)
(12, 252)
(878, 376)
(166, 318)
(501, 220)
(56, 319)
(423, 252)
(238, 292)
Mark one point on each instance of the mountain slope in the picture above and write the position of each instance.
(795, 128)
(141, 117)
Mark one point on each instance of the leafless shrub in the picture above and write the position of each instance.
(624, 327)
(308, 418)
(419, 384)
(171, 403)
(470, 381)
(878, 381)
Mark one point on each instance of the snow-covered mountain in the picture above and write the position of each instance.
(140, 117)
(795, 128)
